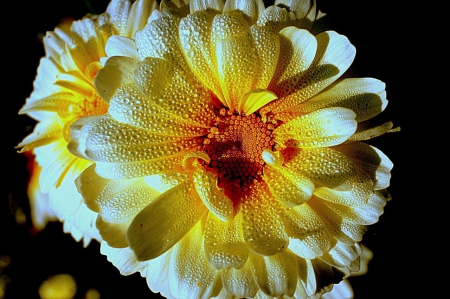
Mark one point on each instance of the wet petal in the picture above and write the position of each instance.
(371, 160)
(306, 282)
(275, 275)
(255, 99)
(165, 221)
(321, 128)
(121, 200)
(212, 196)
(121, 46)
(252, 9)
(191, 275)
(263, 228)
(342, 255)
(224, 244)
(115, 234)
(308, 235)
(324, 166)
(118, 71)
(130, 106)
(90, 185)
(333, 57)
(289, 188)
(364, 96)
(239, 282)
(161, 265)
(196, 5)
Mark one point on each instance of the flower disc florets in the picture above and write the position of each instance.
(235, 145)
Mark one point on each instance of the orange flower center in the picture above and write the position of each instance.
(235, 144)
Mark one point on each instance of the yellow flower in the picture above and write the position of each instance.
(63, 92)
(232, 162)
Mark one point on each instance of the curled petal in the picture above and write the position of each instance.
(90, 185)
(115, 234)
(165, 221)
(224, 244)
(342, 255)
(321, 128)
(306, 282)
(121, 46)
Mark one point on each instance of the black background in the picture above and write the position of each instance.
(381, 34)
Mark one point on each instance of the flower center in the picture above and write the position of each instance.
(235, 144)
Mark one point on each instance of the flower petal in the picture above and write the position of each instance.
(324, 166)
(123, 258)
(118, 45)
(161, 266)
(196, 5)
(342, 255)
(333, 57)
(308, 236)
(239, 282)
(118, 71)
(90, 185)
(255, 99)
(306, 282)
(121, 200)
(371, 160)
(224, 244)
(263, 228)
(321, 128)
(165, 221)
(113, 233)
(289, 188)
(212, 196)
(365, 96)
(275, 275)
(191, 275)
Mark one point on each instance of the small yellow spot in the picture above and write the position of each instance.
(60, 286)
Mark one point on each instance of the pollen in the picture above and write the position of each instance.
(235, 145)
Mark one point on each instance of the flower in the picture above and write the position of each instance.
(232, 161)
(63, 92)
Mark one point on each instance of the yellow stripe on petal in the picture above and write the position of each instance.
(118, 71)
(324, 166)
(239, 282)
(321, 128)
(191, 275)
(275, 275)
(224, 244)
(165, 221)
(308, 235)
(255, 99)
(289, 188)
(263, 228)
(212, 196)
(333, 57)
(121, 200)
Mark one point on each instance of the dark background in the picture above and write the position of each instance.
(382, 36)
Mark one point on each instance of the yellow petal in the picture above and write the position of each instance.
(289, 188)
(121, 46)
(239, 282)
(308, 235)
(90, 185)
(224, 244)
(115, 234)
(212, 196)
(195, 35)
(342, 255)
(365, 96)
(165, 221)
(324, 166)
(275, 275)
(138, 16)
(367, 131)
(130, 106)
(118, 71)
(196, 5)
(321, 128)
(333, 57)
(252, 9)
(263, 228)
(123, 258)
(121, 200)
(255, 99)
(156, 78)
(306, 282)
(161, 265)
(191, 275)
